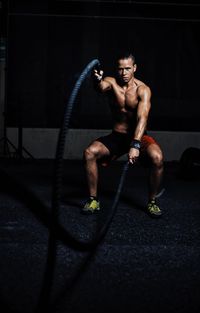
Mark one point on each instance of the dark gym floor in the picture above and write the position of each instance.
(142, 265)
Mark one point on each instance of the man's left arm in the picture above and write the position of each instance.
(143, 109)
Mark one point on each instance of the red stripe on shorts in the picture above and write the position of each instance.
(147, 141)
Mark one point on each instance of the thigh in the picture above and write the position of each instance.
(98, 149)
(150, 150)
(154, 150)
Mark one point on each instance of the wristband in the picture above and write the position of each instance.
(136, 144)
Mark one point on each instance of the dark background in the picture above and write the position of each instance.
(51, 42)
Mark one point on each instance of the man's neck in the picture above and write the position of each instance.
(129, 84)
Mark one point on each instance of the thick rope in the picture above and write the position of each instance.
(45, 295)
(57, 186)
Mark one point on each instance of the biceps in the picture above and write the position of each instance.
(143, 110)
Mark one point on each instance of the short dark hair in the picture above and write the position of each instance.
(126, 55)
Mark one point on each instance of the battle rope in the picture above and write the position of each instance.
(57, 187)
(44, 298)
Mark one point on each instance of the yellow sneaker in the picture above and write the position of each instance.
(153, 209)
(91, 206)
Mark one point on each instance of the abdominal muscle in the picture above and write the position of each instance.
(124, 122)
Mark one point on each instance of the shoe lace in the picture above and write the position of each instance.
(153, 207)
(92, 203)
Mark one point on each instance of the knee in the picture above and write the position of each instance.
(90, 154)
(157, 159)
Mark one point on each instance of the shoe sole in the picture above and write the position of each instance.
(155, 215)
(86, 211)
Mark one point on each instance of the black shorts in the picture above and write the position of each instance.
(118, 144)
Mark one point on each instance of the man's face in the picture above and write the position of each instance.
(126, 69)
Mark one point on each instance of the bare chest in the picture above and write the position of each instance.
(126, 100)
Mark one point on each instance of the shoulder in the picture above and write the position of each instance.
(143, 89)
(109, 79)
(106, 83)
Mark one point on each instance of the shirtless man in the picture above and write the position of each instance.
(130, 103)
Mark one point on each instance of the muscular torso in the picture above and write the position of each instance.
(124, 102)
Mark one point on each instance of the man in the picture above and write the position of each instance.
(130, 103)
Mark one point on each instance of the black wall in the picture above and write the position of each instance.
(50, 44)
